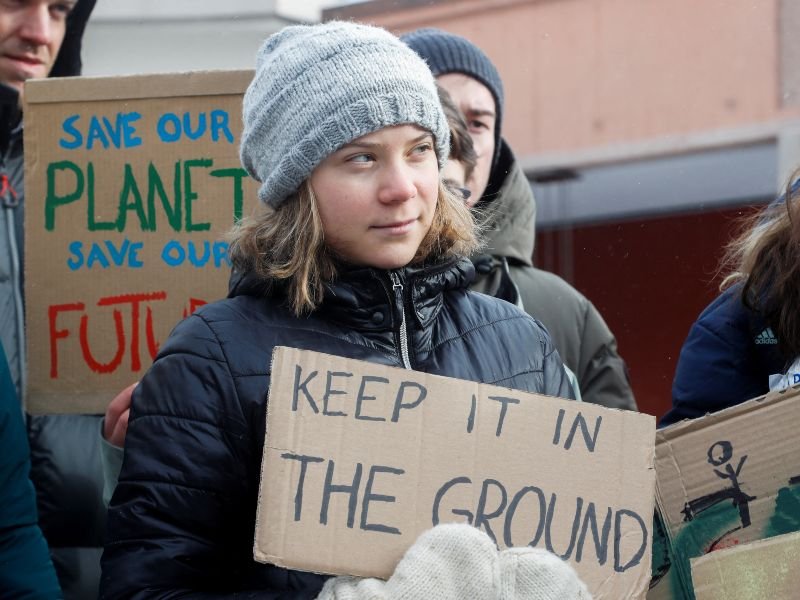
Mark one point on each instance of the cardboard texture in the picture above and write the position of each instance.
(724, 480)
(762, 570)
(361, 458)
(130, 182)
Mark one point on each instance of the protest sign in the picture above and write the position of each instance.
(361, 458)
(723, 480)
(130, 184)
(762, 570)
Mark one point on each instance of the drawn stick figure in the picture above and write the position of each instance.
(719, 455)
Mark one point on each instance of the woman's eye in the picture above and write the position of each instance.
(360, 158)
(422, 148)
(478, 125)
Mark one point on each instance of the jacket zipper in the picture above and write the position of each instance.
(397, 288)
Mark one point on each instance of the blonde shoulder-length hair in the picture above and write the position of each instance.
(287, 245)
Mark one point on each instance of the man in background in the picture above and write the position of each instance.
(41, 38)
(501, 195)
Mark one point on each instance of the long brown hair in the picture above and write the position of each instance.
(287, 245)
(765, 258)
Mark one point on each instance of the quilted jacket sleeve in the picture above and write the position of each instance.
(181, 520)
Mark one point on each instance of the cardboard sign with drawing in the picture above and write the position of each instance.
(360, 458)
(722, 481)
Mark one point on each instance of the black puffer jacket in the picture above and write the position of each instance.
(183, 514)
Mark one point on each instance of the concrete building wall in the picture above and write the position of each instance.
(151, 36)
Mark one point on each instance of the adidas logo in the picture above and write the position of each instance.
(766, 337)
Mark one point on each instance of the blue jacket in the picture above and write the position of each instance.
(727, 359)
(25, 567)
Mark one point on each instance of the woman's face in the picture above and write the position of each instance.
(377, 195)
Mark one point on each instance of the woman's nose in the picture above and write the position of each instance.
(397, 184)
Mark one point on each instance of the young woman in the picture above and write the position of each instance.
(356, 253)
(751, 331)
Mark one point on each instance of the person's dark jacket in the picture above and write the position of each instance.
(505, 270)
(182, 517)
(727, 358)
(25, 567)
(65, 463)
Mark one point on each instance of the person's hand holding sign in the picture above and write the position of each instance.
(114, 429)
(115, 424)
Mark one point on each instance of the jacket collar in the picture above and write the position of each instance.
(509, 212)
(365, 298)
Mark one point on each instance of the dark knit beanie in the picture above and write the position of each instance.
(450, 53)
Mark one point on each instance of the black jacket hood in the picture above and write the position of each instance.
(69, 63)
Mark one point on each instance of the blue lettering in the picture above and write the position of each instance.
(117, 256)
(133, 257)
(114, 131)
(173, 253)
(67, 127)
(221, 254)
(76, 249)
(163, 131)
(95, 133)
(102, 131)
(129, 130)
(96, 256)
(199, 261)
(187, 125)
(100, 253)
(219, 122)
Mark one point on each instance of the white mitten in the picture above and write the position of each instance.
(456, 561)
(536, 574)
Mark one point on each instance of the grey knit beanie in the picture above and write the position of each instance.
(319, 87)
(450, 53)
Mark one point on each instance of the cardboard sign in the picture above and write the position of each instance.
(130, 183)
(763, 570)
(723, 480)
(361, 458)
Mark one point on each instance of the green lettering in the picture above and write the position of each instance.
(130, 198)
(52, 200)
(155, 186)
(93, 223)
(189, 195)
(238, 175)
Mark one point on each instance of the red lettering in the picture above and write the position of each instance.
(97, 365)
(56, 334)
(90, 360)
(134, 300)
(152, 344)
(194, 304)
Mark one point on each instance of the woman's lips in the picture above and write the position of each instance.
(397, 227)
